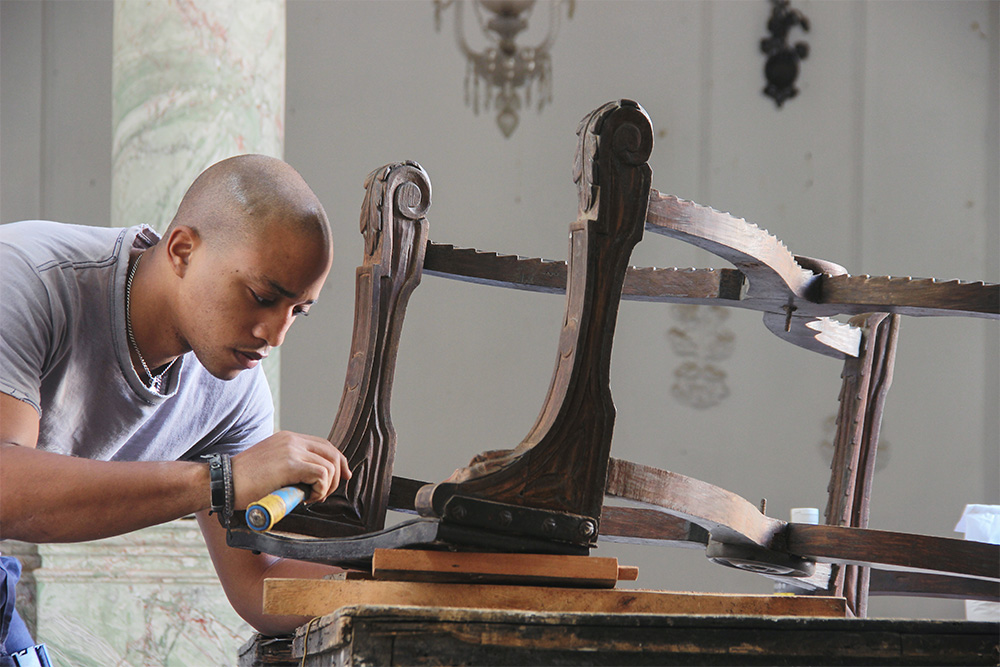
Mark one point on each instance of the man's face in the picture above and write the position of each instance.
(237, 301)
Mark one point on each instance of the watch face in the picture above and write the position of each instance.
(217, 481)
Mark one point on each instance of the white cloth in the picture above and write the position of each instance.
(981, 523)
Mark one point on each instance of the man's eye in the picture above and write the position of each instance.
(300, 311)
(261, 300)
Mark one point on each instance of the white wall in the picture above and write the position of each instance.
(55, 110)
(885, 163)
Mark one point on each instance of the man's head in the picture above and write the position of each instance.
(250, 247)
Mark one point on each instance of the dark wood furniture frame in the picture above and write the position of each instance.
(525, 499)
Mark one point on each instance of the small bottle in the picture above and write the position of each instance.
(808, 515)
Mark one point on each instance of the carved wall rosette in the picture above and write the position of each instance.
(701, 337)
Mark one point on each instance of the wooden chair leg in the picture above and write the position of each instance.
(866, 381)
(395, 231)
(573, 431)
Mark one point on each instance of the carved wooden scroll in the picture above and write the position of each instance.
(561, 465)
(395, 232)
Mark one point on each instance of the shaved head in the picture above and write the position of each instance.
(246, 197)
(248, 250)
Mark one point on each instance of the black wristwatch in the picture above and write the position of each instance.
(220, 476)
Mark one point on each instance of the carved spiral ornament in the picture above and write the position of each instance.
(633, 142)
(413, 194)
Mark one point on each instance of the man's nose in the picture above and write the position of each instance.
(273, 327)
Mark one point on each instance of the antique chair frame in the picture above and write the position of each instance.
(521, 499)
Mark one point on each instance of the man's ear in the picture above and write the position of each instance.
(180, 245)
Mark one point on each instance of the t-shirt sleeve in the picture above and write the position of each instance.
(27, 328)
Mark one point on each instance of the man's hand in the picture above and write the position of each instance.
(285, 459)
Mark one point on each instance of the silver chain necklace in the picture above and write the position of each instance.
(154, 381)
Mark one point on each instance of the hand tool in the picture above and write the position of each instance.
(272, 508)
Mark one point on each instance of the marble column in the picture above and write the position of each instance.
(150, 597)
(193, 82)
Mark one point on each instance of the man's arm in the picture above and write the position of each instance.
(47, 497)
(242, 574)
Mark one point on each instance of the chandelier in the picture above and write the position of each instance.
(495, 76)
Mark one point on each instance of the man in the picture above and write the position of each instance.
(125, 359)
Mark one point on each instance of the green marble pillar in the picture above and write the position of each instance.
(193, 82)
(146, 598)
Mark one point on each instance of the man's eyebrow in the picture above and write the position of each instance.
(288, 294)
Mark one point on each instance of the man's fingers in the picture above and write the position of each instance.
(288, 458)
(334, 455)
(328, 473)
(335, 463)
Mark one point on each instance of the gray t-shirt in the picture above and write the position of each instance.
(63, 349)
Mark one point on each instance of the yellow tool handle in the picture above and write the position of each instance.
(272, 508)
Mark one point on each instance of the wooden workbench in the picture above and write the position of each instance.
(397, 635)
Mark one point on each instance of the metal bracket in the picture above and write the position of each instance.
(509, 519)
(755, 558)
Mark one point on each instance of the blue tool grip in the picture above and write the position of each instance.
(272, 508)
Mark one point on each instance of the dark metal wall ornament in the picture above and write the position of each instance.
(782, 66)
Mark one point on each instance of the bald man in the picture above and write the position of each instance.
(130, 371)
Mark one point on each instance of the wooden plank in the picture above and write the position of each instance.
(727, 516)
(493, 568)
(544, 275)
(896, 551)
(920, 584)
(310, 597)
(640, 525)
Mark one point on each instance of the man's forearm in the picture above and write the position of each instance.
(242, 574)
(47, 497)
